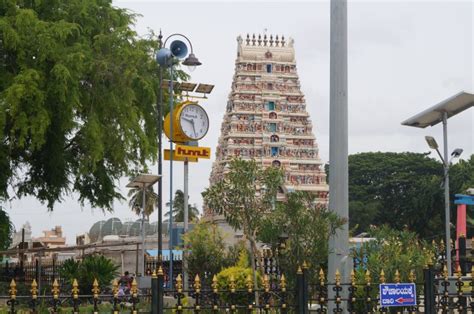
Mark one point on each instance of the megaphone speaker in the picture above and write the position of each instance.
(163, 57)
(179, 49)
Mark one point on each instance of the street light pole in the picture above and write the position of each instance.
(142, 259)
(160, 161)
(142, 182)
(430, 117)
(170, 245)
(446, 192)
(446, 165)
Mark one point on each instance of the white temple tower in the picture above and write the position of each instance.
(266, 117)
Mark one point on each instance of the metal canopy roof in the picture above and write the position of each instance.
(143, 179)
(434, 115)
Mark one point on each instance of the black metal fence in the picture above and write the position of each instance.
(436, 292)
(45, 271)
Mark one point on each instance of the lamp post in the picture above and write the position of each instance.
(167, 58)
(440, 113)
(446, 163)
(143, 181)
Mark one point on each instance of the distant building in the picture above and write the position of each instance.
(83, 239)
(52, 238)
(115, 232)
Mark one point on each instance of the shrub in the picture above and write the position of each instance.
(90, 268)
(240, 272)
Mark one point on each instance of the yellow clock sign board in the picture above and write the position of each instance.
(192, 152)
(167, 156)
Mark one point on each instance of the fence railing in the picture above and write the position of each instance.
(434, 294)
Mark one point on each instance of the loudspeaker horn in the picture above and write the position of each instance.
(179, 49)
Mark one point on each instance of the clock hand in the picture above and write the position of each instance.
(194, 129)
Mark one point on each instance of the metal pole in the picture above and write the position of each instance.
(136, 259)
(142, 258)
(170, 244)
(160, 162)
(446, 193)
(339, 258)
(186, 227)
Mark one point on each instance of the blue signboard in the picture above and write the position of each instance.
(397, 294)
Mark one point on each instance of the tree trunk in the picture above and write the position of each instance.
(253, 250)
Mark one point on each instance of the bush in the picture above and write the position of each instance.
(240, 272)
(391, 251)
(90, 268)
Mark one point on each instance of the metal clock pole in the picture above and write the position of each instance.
(170, 245)
(186, 217)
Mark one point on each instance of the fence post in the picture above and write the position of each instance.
(154, 293)
(160, 291)
(299, 291)
(305, 288)
(428, 276)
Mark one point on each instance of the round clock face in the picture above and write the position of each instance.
(194, 121)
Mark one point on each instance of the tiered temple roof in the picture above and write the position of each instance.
(266, 117)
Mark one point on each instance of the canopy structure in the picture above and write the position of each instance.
(434, 115)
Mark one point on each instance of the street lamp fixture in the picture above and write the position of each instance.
(431, 142)
(456, 153)
(178, 49)
(434, 145)
(192, 62)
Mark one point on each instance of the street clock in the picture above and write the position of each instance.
(190, 122)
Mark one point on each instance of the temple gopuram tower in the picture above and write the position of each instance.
(266, 117)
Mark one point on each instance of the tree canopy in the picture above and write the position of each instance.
(77, 99)
(136, 200)
(246, 193)
(207, 252)
(299, 228)
(6, 230)
(403, 191)
(178, 208)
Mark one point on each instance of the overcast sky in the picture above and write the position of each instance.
(404, 57)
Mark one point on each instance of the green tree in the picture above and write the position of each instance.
(178, 208)
(307, 226)
(77, 99)
(136, 200)
(401, 190)
(6, 230)
(461, 175)
(207, 250)
(246, 193)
